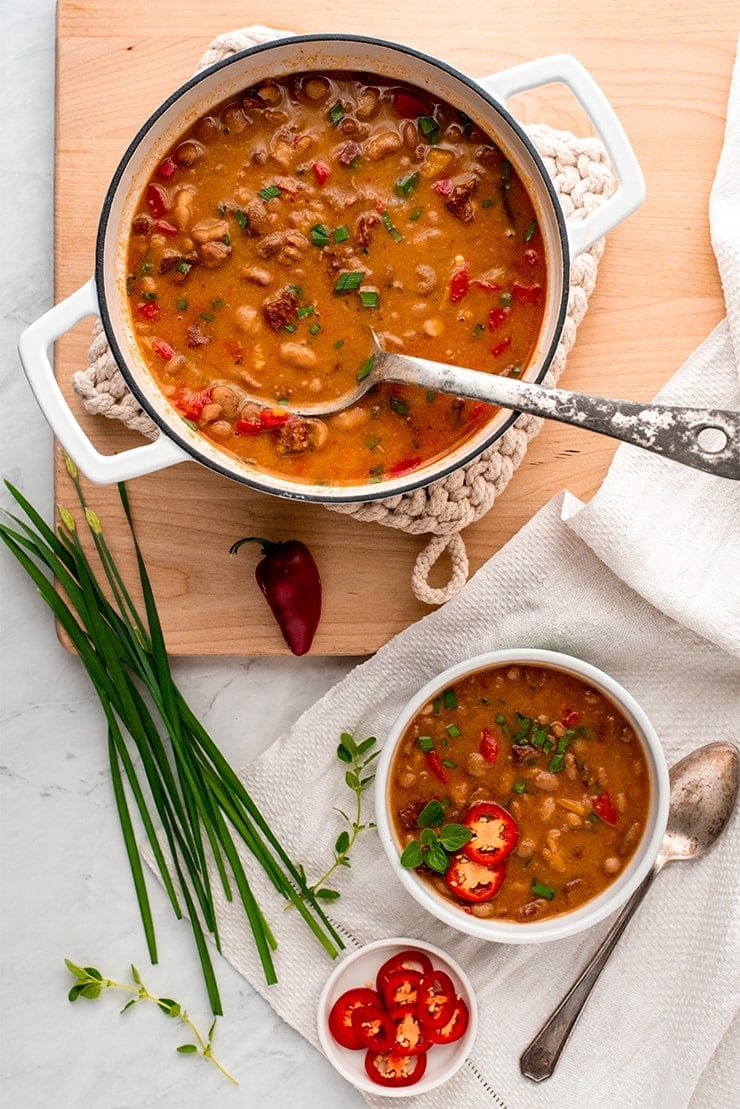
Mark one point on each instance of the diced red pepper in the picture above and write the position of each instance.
(269, 418)
(488, 745)
(248, 427)
(165, 228)
(167, 167)
(340, 1017)
(527, 294)
(570, 718)
(373, 1027)
(495, 833)
(472, 881)
(496, 317)
(444, 186)
(532, 256)
(409, 106)
(499, 348)
(403, 466)
(459, 283)
(164, 350)
(321, 172)
(157, 201)
(478, 412)
(148, 310)
(434, 763)
(603, 806)
(392, 1069)
(192, 403)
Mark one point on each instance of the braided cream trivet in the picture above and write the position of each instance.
(580, 172)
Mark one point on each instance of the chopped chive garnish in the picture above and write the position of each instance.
(450, 699)
(296, 290)
(500, 719)
(375, 474)
(207, 316)
(269, 192)
(289, 327)
(372, 442)
(241, 218)
(429, 129)
(339, 344)
(453, 731)
(520, 786)
(431, 394)
(539, 889)
(217, 303)
(181, 305)
(450, 764)
(557, 762)
(489, 202)
(405, 184)
(416, 213)
(547, 746)
(336, 113)
(144, 269)
(426, 743)
(319, 235)
(506, 174)
(307, 310)
(148, 296)
(341, 233)
(394, 233)
(525, 725)
(183, 267)
(349, 281)
(479, 330)
(515, 371)
(226, 240)
(563, 743)
(436, 705)
(505, 299)
(531, 228)
(369, 298)
(314, 329)
(130, 282)
(593, 818)
(365, 369)
(398, 406)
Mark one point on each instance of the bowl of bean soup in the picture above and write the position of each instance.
(291, 200)
(522, 796)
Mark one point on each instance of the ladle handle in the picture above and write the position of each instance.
(540, 1058)
(706, 439)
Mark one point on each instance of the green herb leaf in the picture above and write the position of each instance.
(520, 786)
(369, 298)
(319, 235)
(388, 224)
(188, 1049)
(429, 129)
(366, 368)
(437, 859)
(454, 836)
(539, 889)
(269, 192)
(400, 407)
(412, 855)
(531, 228)
(428, 837)
(326, 894)
(405, 184)
(431, 816)
(342, 843)
(341, 234)
(349, 281)
(336, 113)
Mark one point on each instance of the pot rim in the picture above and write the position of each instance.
(263, 481)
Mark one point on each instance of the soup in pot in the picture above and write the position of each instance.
(288, 222)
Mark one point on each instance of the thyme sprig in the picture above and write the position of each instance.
(90, 984)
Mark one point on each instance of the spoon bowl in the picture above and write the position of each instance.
(704, 788)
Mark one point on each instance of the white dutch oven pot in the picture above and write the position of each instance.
(105, 294)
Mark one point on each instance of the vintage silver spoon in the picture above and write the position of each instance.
(704, 789)
(707, 439)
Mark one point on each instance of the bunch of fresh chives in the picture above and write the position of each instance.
(200, 802)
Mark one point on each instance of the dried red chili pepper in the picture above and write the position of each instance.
(289, 579)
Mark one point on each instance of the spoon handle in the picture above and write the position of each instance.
(706, 439)
(540, 1058)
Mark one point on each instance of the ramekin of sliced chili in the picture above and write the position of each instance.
(397, 1017)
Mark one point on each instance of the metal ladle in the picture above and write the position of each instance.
(706, 439)
(704, 788)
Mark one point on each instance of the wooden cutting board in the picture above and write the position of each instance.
(666, 69)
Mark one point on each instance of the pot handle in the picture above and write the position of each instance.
(33, 347)
(566, 69)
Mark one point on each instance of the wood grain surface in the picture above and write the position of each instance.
(666, 69)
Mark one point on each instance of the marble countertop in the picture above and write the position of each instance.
(66, 889)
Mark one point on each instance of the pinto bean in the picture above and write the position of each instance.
(532, 909)
(544, 780)
(298, 354)
(484, 910)
(629, 839)
(188, 153)
(220, 429)
(475, 764)
(427, 280)
(209, 230)
(214, 254)
(612, 866)
(351, 418)
(256, 274)
(182, 209)
(380, 146)
(367, 102)
(227, 398)
(246, 318)
(316, 88)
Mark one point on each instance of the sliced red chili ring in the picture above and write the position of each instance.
(391, 1069)
(400, 987)
(410, 959)
(436, 1000)
(373, 1027)
(495, 833)
(340, 1016)
(409, 1036)
(456, 1026)
(471, 881)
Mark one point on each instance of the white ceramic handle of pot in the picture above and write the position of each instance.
(33, 347)
(630, 191)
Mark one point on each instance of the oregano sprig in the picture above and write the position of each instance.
(90, 984)
(432, 848)
(357, 757)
